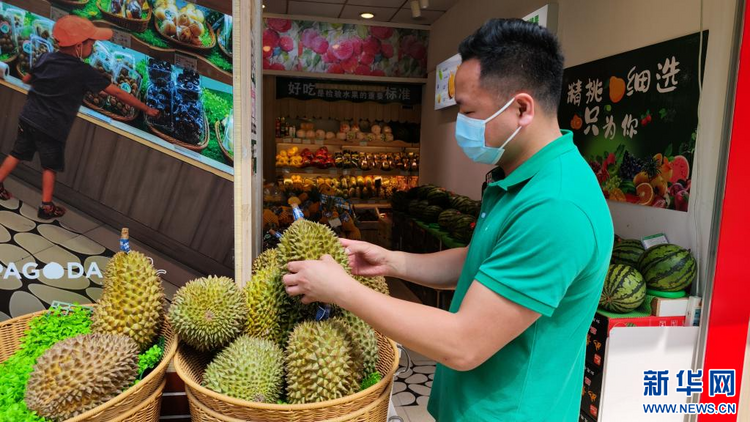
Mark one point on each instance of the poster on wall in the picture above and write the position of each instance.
(634, 117)
(445, 82)
(338, 48)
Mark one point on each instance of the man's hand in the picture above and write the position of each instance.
(367, 259)
(152, 112)
(324, 280)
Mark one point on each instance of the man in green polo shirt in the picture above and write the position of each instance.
(512, 346)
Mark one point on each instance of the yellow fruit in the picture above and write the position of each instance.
(640, 178)
(617, 195)
(660, 186)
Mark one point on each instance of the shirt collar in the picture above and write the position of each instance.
(531, 167)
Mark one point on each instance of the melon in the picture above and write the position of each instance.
(668, 267)
(624, 289)
(439, 197)
(447, 218)
(680, 169)
(627, 252)
(463, 228)
(431, 213)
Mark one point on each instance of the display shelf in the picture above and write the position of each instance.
(42, 7)
(334, 171)
(338, 142)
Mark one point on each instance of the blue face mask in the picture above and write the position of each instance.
(470, 137)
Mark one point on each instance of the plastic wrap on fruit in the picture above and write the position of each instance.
(116, 7)
(134, 9)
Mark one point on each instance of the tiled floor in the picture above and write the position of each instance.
(76, 237)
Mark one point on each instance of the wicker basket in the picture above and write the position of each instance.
(134, 25)
(375, 411)
(13, 330)
(190, 365)
(189, 46)
(111, 115)
(148, 411)
(219, 139)
(222, 47)
(198, 148)
(71, 3)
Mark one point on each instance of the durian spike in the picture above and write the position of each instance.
(125, 240)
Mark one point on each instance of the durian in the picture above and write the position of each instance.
(321, 363)
(80, 373)
(249, 369)
(305, 240)
(133, 300)
(271, 311)
(208, 313)
(364, 337)
(268, 258)
(375, 283)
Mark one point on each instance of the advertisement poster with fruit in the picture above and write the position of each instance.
(445, 82)
(339, 48)
(634, 117)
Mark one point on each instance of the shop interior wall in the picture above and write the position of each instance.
(590, 30)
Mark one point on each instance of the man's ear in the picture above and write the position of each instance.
(526, 108)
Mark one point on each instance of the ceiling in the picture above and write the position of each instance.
(395, 11)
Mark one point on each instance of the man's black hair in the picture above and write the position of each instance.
(515, 55)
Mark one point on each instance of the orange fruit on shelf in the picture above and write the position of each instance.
(641, 177)
(616, 89)
(645, 194)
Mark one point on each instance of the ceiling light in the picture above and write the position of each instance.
(415, 11)
(263, 6)
(424, 4)
(366, 15)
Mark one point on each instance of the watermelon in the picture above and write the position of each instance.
(457, 200)
(425, 190)
(439, 197)
(400, 201)
(624, 289)
(668, 268)
(431, 213)
(463, 228)
(447, 218)
(627, 252)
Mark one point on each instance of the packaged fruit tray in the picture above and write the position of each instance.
(197, 147)
(165, 28)
(135, 25)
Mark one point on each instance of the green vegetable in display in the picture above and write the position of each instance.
(44, 331)
(217, 105)
(90, 11)
(151, 37)
(149, 359)
(219, 60)
(370, 380)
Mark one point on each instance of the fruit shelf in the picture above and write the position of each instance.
(348, 144)
(335, 171)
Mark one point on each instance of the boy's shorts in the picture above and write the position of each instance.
(30, 140)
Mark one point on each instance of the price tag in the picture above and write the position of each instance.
(296, 141)
(305, 141)
(308, 170)
(121, 38)
(333, 171)
(359, 172)
(347, 172)
(186, 62)
(56, 13)
(319, 142)
(654, 239)
(363, 144)
(335, 222)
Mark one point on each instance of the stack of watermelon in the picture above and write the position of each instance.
(455, 214)
(666, 267)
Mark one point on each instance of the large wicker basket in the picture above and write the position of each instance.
(190, 365)
(375, 411)
(134, 25)
(13, 330)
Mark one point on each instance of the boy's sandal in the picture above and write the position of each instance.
(49, 211)
(4, 194)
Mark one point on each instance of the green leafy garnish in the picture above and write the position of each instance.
(370, 380)
(150, 358)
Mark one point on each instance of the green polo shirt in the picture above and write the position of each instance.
(543, 240)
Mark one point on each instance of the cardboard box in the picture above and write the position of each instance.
(664, 307)
(592, 391)
(596, 340)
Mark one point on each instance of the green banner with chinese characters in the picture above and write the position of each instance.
(634, 117)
